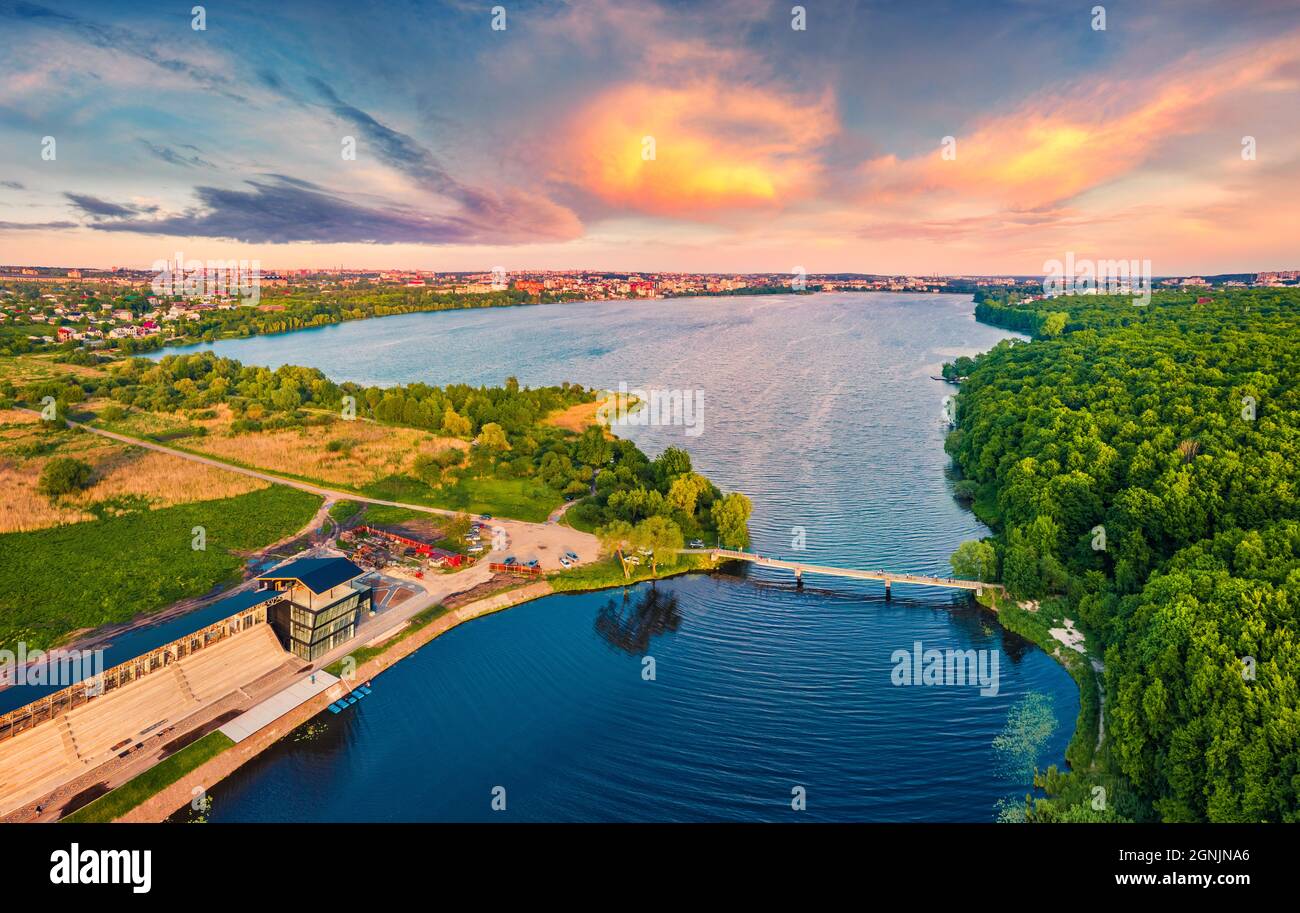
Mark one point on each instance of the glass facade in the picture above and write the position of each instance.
(311, 634)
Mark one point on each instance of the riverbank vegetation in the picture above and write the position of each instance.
(1140, 467)
(610, 572)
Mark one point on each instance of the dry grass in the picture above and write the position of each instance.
(25, 509)
(164, 479)
(575, 418)
(136, 422)
(120, 471)
(26, 369)
(17, 417)
(375, 451)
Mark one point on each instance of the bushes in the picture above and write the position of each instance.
(64, 476)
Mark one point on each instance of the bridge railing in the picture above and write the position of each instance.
(800, 567)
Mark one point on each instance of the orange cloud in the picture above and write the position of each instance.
(1060, 145)
(715, 147)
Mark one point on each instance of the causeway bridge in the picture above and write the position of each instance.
(799, 568)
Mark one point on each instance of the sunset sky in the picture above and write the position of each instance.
(773, 148)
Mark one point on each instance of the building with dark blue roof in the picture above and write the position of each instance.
(323, 602)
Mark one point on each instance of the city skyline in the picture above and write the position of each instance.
(773, 148)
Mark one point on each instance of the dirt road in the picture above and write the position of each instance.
(546, 542)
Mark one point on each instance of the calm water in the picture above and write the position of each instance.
(823, 410)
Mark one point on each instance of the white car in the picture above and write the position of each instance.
(566, 563)
(474, 549)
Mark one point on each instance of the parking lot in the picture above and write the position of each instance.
(546, 542)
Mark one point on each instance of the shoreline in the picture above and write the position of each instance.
(162, 805)
(187, 347)
(1091, 690)
(159, 807)
(165, 803)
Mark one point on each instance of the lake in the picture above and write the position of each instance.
(821, 408)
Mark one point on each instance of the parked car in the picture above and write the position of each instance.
(485, 516)
(474, 549)
(572, 556)
(697, 543)
(566, 563)
(510, 559)
(533, 563)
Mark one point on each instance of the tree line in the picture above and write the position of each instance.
(1142, 464)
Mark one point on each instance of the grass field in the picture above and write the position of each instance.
(343, 511)
(575, 418)
(153, 781)
(518, 499)
(351, 454)
(124, 477)
(54, 582)
(27, 369)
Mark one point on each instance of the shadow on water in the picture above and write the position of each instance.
(630, 623)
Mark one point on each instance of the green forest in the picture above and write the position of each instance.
(1140, 466)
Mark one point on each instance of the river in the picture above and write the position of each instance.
(823, 410)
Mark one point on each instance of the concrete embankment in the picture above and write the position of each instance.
(179, 794)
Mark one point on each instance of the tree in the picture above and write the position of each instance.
(975, 559)
(1021, 573)
(592, 448)
(615, 537)
(685, 491)
(731, 519)
(661, 537)
(1054, 323)
(493, 438)
(63, 476)
(454, 424)
(672, 463)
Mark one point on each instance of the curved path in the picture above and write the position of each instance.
(553, 538)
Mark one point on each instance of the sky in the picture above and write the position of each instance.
(891, 137)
